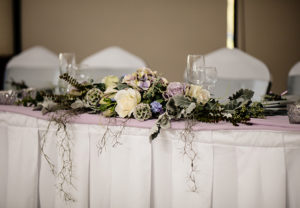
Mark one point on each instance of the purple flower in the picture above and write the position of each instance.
(175, 88)
(156, 107)
(144, 84)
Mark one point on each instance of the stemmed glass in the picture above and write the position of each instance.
(67, 64)
(211, 77)
(82, 73)
(194, 71)
(199, 74)
(67, 61)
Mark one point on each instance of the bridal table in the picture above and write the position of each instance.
(247, 166)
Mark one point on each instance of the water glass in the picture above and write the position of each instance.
(67, 61)
(82, 73)
(67, 64)
(196, 76)
(193, 68)
(211, 77)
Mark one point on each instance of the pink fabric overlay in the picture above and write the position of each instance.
(277, 123)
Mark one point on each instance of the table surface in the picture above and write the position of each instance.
(280, 123)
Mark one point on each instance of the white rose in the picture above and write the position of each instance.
(127, 100)
(196, 91)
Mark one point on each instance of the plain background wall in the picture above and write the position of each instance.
(6, 30)
(270, 31)
(162, 32)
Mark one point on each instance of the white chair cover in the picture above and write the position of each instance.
(112, 61)
(37, 66)
(236, 70)
(294, 80)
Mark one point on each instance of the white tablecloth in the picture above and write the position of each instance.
(235, 168)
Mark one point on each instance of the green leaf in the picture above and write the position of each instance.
(181, 101)
(191, 107)
(122, 86)
(242, 93)
(100, 86)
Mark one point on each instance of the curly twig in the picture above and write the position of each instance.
(189, 151)
(64, 174)
(115, 136)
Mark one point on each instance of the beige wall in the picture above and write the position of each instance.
(270, 30)
(162, 32)
(6, 40)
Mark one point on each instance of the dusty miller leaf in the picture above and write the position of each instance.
(181, 101)
(190, 109)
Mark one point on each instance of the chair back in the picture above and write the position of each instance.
(112, 61)
(294, 80)
(37, 66)
(236, 70)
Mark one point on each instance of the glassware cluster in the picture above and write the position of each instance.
(67, 64)
(199, 74)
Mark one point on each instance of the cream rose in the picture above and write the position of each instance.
(110, 81)
(127, 100)
(201, 95)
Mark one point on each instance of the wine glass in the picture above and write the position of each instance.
(211, 77)
(67, 64)
(197, 76)
(82, 73)
(67, 61)
(194, 72)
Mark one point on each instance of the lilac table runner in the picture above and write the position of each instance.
(280, 123)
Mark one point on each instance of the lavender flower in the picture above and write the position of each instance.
(144, 84)
(156, 107)
(175, 88)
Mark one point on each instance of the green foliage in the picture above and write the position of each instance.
(239, 109)
(18, 85)
(245, 94)
(33, 101)
(155, 92)
(72, 81)
(256, 110)
(122, 86)
(210, 112)
(100, 86)
(90, 97)
(273, 97)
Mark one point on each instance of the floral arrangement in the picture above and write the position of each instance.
(145, 95)
(141, 95)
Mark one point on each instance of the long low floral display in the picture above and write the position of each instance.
(146, 95)
(142, 95)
